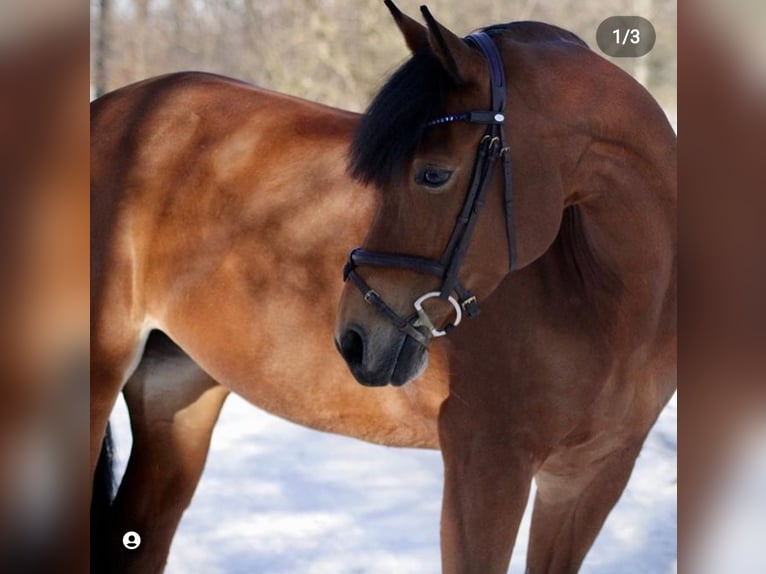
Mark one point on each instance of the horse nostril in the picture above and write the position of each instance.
(352, 347)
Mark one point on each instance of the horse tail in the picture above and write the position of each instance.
(101, 504)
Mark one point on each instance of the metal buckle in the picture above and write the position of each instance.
(369, 295)
(469, 301)
(425, 321)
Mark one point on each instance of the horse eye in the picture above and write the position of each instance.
(432, 176)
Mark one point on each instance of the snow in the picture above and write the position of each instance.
(277, 498)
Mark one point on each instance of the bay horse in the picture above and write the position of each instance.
(572, 259)
(221, 214)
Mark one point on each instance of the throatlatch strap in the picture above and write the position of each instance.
(508, 197)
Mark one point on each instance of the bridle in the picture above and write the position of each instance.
(491, 148)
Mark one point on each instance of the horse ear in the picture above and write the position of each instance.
(460, 61)
(415, 34)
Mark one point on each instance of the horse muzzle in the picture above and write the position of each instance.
(384, 357)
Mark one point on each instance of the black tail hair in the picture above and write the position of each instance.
(100, 506)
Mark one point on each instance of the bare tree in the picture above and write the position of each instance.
(334, 51)
(141, 36)
(101, 56)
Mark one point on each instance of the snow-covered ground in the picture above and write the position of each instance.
(277, 498)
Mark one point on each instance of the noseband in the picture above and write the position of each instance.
(492, 147)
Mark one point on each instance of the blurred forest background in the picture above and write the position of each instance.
(333, 51)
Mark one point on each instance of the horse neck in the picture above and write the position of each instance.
(601, 143)
(624, 190)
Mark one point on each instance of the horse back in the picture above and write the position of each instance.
(191, 150)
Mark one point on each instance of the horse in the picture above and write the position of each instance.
(221, 214)
(572, 259)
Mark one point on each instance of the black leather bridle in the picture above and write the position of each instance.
(492, 147)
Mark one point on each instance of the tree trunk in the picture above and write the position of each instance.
(103, 45)
(142, 20)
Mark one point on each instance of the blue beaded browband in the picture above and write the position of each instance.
(472, 117)
(491, 148)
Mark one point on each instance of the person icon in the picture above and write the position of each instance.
(131, 540)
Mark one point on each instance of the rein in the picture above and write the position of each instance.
(492, 147)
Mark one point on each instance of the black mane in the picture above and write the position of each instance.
(395, 121)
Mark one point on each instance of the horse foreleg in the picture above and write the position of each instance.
(485, 492)
(571, 507)
(173, 406)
